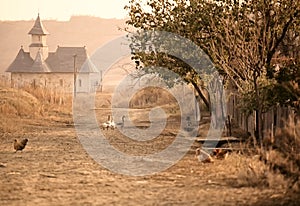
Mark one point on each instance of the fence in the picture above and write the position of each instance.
(274, 120)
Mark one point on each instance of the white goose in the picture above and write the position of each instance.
(112, 124)
(105, 125)
(203, 156)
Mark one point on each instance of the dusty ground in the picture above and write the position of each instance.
(54, 169)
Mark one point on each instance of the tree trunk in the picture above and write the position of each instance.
(259, 127)
(258, 114)
(206, 101)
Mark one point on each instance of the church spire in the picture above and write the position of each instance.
(38, 28)
(38, 39)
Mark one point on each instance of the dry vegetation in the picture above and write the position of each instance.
(54, 169)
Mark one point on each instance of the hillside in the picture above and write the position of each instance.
(91, 32)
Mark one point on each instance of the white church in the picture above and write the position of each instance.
(54, 70)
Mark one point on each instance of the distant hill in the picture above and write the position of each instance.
(91, 32)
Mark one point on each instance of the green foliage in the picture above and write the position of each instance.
(288, 84)
(242, 38)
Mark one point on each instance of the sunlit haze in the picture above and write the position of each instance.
(61, 10)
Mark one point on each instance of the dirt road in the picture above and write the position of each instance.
(54, 169)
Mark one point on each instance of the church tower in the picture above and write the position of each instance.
(38, 39)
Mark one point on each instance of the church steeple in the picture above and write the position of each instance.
(38, 39)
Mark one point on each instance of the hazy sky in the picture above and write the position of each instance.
(61, 9)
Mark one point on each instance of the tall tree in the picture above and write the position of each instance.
(242, 37)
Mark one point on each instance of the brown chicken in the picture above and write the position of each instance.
(220, 153)
(20, 145)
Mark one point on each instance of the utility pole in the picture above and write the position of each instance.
(101, 81)
(75, 74)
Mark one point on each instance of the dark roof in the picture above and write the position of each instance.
(60, 61)
(63, 59)
(38, 28)
(39, 65)
(22, 62)
(36, 45)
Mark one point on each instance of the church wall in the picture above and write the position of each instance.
(39, 39)
(88, 82)
(57, 81)
(82, 83)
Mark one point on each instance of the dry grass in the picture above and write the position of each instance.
(30, 103)
(254, 173)
(283, 155)
(47, 95)
(16, 102)
(151, 97)
(277, 165)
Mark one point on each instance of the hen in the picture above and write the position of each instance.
(20, 145)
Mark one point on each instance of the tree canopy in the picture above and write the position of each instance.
(253, 43)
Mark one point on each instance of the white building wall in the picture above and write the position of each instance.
(39, 39)
(83, 83)
(57, 81)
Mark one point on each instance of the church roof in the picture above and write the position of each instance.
(22, 62)
(39, 65)
(63, 59)
(88, 67)
(38, 28)
(60, 61)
